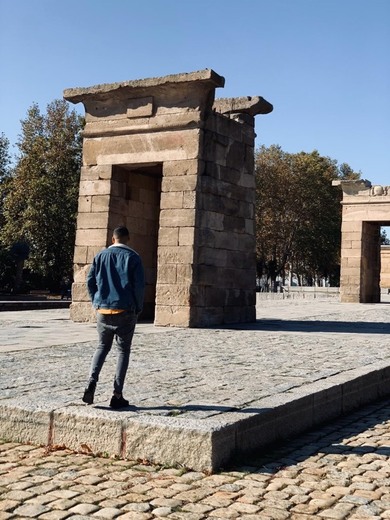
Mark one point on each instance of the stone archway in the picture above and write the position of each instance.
(176, 166)
(365, 209)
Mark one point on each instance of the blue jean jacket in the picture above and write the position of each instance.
(116, 279)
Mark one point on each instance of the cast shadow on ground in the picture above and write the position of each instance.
(177, 411)
(315, 326)
(326, 439)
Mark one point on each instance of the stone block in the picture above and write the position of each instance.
(173, 294)
(82, 312)
(97, 187)
(351, 226)
(169, 236)
(171, 200)
(235, 155)
(80, 255)
(171, 441)
(250, 226)
(172, 316)
(80, 273)
(80, 292)
(92, 221)
(167, 274)
(91, 173)
(175, 255)
(211, 220)
(352, 272)
(92, 237)
(190, 199)
(248, 181)
(223, 188)
(212, 256)
(234, 224)
(225, 240)
(353, 261)
(100, 203)
(95, 431)
(228, 278)
(177, 217)
(224, 174)
(202, 316)
(140, 107)
(184, 273)
(214, 151)
(179, 184)
(210, 297)
(85, 204)
(179, 168)
(142, 149)
(186, 236)
(18, 424)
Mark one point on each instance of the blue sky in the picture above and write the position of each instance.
(323, 64)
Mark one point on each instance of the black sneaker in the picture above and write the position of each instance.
(118, 402)
(89, 393)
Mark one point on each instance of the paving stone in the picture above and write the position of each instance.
(107, 513)
(30, 510)
(137, 507)
(133, 515)
(55, 515)
(84, 509)
(162, 511)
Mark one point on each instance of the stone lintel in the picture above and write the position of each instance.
(353, 187)
(251, 105)
(205, 77)
(362, 192)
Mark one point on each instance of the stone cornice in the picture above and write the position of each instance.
(362, 192)
(251, 105)
(206, 76)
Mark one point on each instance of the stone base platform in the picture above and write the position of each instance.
(200, 398)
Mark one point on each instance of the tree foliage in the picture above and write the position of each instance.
(40, 205)
(5, 171)
(298, 214)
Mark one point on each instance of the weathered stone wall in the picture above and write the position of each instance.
(385, 267)
(177, 168)
(226, 264)
(365, 209)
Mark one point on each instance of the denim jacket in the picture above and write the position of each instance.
(116, 279)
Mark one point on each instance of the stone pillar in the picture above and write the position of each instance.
(175, 166)
(365, 209)
(370, 264)
(385, 267)
(92, 233)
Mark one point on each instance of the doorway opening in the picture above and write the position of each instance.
(385, 263)
(136, 204)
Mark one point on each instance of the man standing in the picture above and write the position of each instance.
(116, 287)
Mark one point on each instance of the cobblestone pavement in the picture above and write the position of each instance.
(341, 471)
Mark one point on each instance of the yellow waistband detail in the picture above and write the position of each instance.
(110, 311)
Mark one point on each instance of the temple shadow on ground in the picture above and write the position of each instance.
(325, 440)
(342, 327)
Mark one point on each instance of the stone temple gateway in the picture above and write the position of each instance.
(365, 209)
(176, 166)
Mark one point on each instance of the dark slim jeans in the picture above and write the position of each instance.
(121, 327)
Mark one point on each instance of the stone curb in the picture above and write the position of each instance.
(205, 445)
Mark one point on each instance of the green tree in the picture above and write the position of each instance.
(41, 204)
(298, 214)
(5, 171)
(7, 266)
(385, 240)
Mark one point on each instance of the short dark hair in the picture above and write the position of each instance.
(121, 232)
